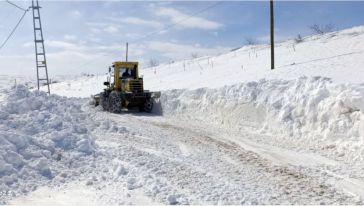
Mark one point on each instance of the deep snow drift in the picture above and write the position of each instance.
(6, 82)
(309, 112)
(170, 160)
(41, 137)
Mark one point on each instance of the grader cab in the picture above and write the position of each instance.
(125, 90)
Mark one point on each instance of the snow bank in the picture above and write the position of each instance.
(312, 111)
(6, 82)
(39, 135)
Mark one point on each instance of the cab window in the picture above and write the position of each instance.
(124, 73)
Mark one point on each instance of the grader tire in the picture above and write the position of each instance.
(104, 102)
(115, 102)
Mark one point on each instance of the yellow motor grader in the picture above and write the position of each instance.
(126, 91)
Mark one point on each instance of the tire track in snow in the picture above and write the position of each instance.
(216, 170)
(321, 189)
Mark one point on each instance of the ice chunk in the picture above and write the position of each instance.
(42, 166)
(172, 200)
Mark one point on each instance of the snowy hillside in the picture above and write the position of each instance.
(226, 130)
(337, 55)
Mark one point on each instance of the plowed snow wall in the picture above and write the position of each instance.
(313, 111)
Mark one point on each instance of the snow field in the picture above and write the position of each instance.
(337, 55)
(311, 111)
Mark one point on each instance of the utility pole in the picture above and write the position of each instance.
(126, 55)
(271, 35)
(40, 55)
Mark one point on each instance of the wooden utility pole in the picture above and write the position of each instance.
(126, 55)
(271, 35)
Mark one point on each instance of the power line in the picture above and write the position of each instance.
(161, 30)
(16, 6)
(7, 13)
(13, 31)
(16, 26)
(179, 22)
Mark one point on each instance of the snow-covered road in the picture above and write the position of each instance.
(231, 131)
(155, 159)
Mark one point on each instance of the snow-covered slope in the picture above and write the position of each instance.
(337, 55)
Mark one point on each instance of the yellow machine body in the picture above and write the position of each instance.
(126, 91)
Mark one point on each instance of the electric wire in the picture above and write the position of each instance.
(17, 24)
(179, 22)
(16, 6)
(157, 32)
(13, 31)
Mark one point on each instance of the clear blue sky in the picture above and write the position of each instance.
(88, 36)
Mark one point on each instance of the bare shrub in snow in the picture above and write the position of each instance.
(153, 63)
(322, 29)
(250, 41)
(234, 49)
(298, 39)
(194, 55)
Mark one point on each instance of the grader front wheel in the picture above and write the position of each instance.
(104, 101)
(115, 102)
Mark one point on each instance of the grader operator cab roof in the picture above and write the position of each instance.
(130, 67)
(125, 64)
